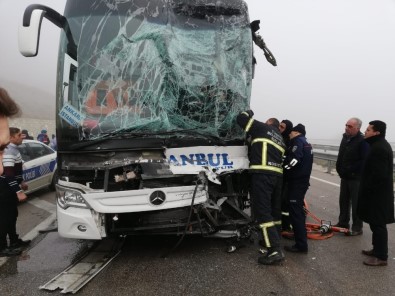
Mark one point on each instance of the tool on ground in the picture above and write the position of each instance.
(323, 229)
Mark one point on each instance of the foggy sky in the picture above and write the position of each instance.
(335, 61)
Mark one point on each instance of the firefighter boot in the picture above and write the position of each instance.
(272, 257)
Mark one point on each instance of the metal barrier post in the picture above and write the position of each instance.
(330, 164)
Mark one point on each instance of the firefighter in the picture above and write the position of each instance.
(298, 165)
(285, 129)
(266, 151)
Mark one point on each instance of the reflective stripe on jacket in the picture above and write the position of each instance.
(267, 145)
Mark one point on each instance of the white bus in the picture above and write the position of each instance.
(147, 96)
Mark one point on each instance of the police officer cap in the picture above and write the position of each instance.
(299, 128)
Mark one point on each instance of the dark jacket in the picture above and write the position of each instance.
(287, 131)
(8, 196)
(376, 189)
(43, 137)
(351, 157)
(299, 160)
(267, 145)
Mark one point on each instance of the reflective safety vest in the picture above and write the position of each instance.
(267, 145)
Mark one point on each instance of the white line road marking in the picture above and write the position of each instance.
(42, 204)
(43, 225)
(324, 181)
(46, 206)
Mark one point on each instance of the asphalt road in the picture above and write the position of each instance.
(200, 266)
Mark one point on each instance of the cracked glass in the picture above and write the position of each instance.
(156, 68)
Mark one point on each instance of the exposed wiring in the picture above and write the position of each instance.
(186, 225)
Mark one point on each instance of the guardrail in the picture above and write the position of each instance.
(325, 147)
(329, 154)
(329, 158)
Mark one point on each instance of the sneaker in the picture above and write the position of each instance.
(272, 258)
(19, 243)
(9, 252)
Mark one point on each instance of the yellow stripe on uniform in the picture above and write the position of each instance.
(249, 124)
(264, 166)
(264, 227)
(277, 222)
(264, 140)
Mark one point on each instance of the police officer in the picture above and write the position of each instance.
(266, 152)
(298, 163)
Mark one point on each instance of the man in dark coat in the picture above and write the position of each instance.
(352, 153)
(376, 192)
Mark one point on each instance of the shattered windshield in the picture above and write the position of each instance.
(157, 67)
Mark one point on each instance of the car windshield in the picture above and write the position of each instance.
(156, 67)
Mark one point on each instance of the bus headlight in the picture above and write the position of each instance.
(67, 197)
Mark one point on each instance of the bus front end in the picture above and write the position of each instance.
(147, 96)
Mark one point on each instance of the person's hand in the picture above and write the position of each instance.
(24, 186)
(21, 196)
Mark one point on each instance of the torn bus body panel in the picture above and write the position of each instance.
(147, 192)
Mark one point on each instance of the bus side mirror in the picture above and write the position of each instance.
(29, 36)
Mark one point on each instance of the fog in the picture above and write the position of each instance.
(335, 61)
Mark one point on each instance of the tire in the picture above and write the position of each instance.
(54, 181)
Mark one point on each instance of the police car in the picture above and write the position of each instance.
(39, 165)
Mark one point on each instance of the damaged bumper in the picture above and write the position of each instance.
(82, 211)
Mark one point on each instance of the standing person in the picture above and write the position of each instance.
(286, 227)
(8, 108)
(376, 192)
(43, 137)
(352, 153)
(54, 143)
(12, 162)
(267, 149)
(25, 135)
(298, 164)
(285, 129)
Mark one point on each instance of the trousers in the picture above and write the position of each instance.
(380, 241)
(266, 206)
(348, 199)
(8, 217)
(296, 193)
